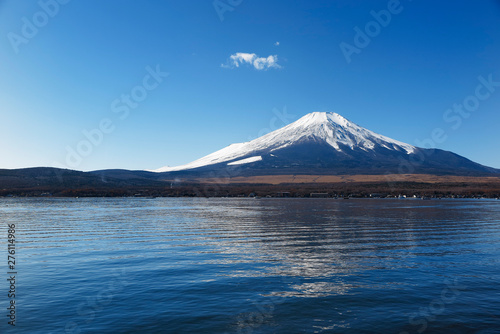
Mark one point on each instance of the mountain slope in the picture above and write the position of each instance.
(317, 127)
(327, 143)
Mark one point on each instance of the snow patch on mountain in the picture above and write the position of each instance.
(245, 161)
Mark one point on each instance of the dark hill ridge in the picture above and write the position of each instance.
(56, 178)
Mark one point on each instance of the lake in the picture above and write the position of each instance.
(223, 265)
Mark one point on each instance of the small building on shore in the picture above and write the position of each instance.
(319, 195)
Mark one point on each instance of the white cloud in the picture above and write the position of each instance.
(277, 44)
(259, 63)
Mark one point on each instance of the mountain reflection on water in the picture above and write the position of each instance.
(224, 265)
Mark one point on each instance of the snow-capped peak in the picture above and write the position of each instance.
(321, 127)
(336, 130)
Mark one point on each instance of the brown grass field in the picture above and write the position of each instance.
(318, 179)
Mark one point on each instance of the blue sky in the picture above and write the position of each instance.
(67, 67)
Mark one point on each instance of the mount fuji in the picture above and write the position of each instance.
(325, 143)
(319, 151)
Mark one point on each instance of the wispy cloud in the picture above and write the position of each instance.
(277, 44)
(259, 63)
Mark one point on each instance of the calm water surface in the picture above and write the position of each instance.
(253, 266)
